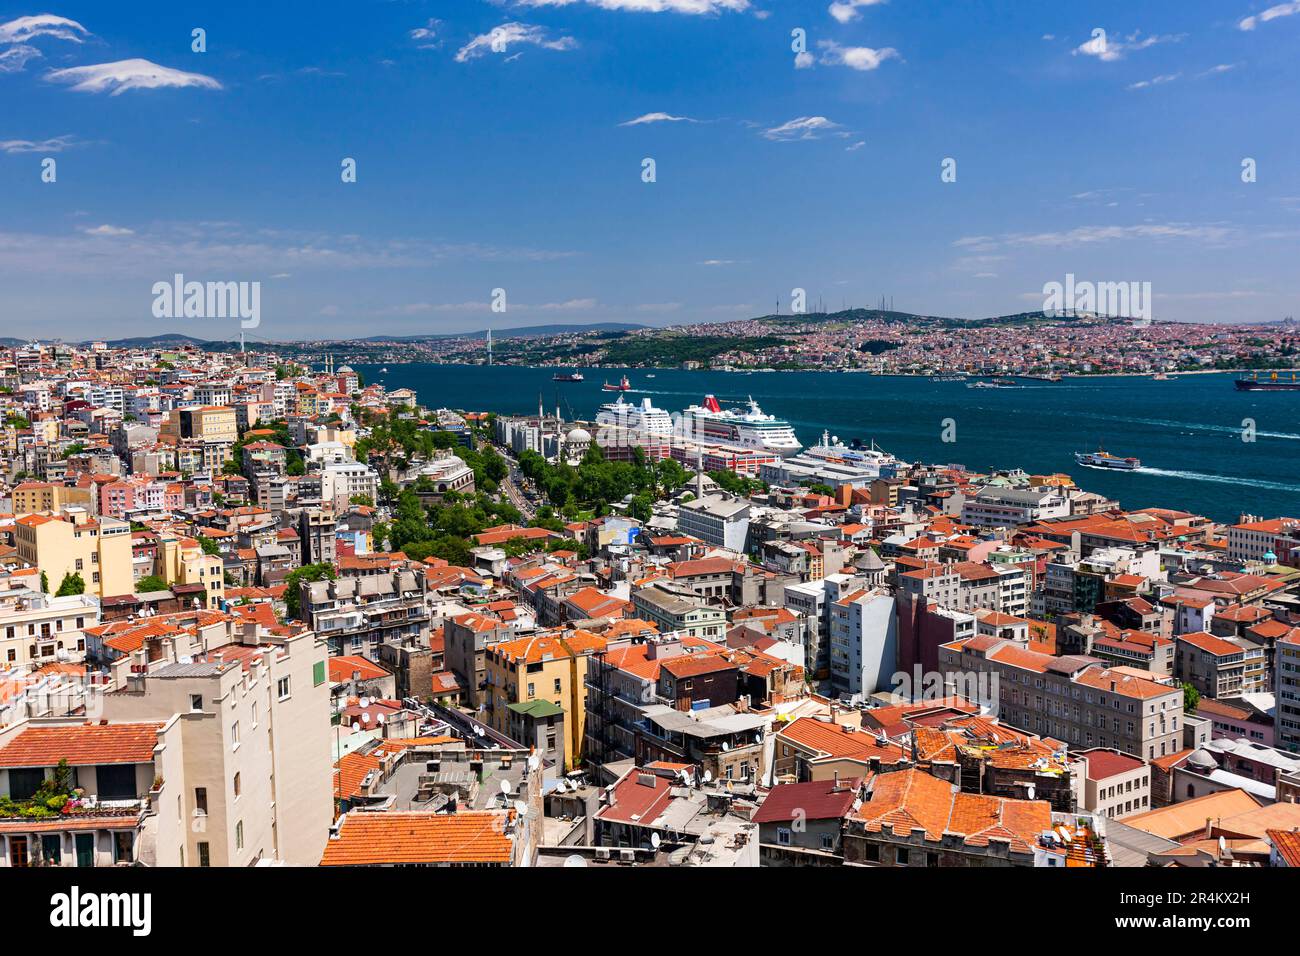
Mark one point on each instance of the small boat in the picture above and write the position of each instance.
(622, 386)
(384, 370)
(650, 375)
(1104, 459)
(993, 383)
(1160, 377)
(567, 377)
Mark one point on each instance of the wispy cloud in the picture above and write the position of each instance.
(695, 7)
(658, 118)
(107, 230)
(855, 57)
(42, 25)
(846, 11)
(427, 36)
(1218, 69)
(802, 127)
(117, 78)
(16, 58)
(500, 39)
(1155, 81)
(55, 144)
(1107, 48)
(1211, 233)
(1272, 13)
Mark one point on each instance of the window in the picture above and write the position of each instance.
(318, 674)
(205, 855)
(282, 688)
(234, 733)
(201, 800)
(238, 789)
(196, 702)
(783, 836)
(828, 841)
(531, 690)
(239, 835)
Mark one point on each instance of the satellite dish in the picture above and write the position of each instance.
(654, 840)
(379, 718)
(725, 746)
(534, 762)
(365, 716)
(479, 731)
(574, 860)
(521, 808)
(364, 702)
(708, 775)
(505, 786)
(355, 726)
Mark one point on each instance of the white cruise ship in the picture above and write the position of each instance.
(748, 429)
(644, 418)
(832, 450)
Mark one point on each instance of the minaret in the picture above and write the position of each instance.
(489, 345)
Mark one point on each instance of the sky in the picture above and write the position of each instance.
(956, 157)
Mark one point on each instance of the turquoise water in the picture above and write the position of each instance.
(1187, 431)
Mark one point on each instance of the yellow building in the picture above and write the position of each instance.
(548, 667)
(182, 561)
(72, 542)
(35, 496)
(215, 426)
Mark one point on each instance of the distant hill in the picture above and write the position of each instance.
(526, 331)
(911, 318)
(155, 341)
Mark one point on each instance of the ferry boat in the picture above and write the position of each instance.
(830, 449)
(1104, 459)
(644, 418)
(1274, 383)
(567, 377)
(623, 386)
(993, 383)
(748, 429)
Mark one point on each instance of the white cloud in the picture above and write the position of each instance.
(804, 61)
(1272, 13)
(801, 127)
(55, 144)
(1218, 68)
(695, 7)
(1108, 48)
(658, 118)
(107, 230)
(855, 146)
(847, 10)
(427, 34)
(501, 38)
(14, 59)
(1155, 81)
(855, 57)
(1213, 233)
(718, 262)
(124, 75)
(42, 25)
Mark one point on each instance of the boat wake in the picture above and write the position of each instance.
(1218, 479)
(1195, 426)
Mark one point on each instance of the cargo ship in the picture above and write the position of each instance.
(623, 386)
(567, 377)
(1104, 459)
(1273, 383)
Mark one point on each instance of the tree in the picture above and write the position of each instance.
(1191, 698)
(72, 583)
(45, 583)
(208, 545)
(150, 582)
(305, 574)
(640, 508)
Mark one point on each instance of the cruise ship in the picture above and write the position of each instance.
(831, 449)
(644, 418)
(748, 429)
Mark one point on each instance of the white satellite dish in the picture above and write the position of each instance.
(365, 716)
(355, 726)
(185, 660)
(534, 762)
(574, 860)
(708, 775)
(521, 808)
(364, 702)
(725, 746)
(379, 718)
(654, 840)
(479, 731)
(505, 786)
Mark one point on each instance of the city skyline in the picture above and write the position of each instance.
(502, 146)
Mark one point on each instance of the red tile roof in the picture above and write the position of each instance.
(394, 837)
(82, 745)
(814, 800)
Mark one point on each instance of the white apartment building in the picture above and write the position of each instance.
(863, 642)
(37, 628)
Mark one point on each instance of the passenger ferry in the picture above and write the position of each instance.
(748, 429)
(1104, 459)
(644, 418)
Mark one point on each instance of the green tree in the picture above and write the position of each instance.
(72, 583)
(1191, 698)
(640, 508)
(150, 582)
(208, 545)
(307, 573)
(45, 583)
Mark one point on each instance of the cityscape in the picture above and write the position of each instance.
(612, 435)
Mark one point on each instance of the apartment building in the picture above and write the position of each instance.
(1073, 699)
(354, 615)
(72, 542)
(550, 668)
(1221, 667)
(32, 497)
(1286, 726)
(675, 612)
(1255, 539)
(1013, 507)
(37, 629)
(254, 776)
(863, 642)
(344, 480)
(1115, 784)
(719, 520)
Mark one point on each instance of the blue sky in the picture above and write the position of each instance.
(516, 167)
